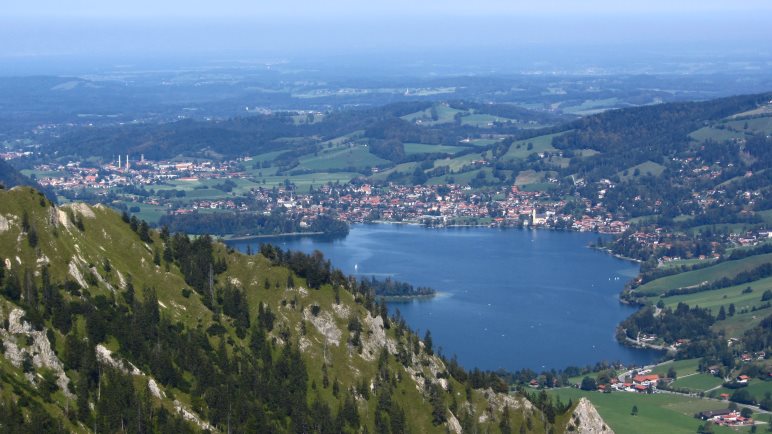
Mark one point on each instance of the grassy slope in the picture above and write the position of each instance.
(757, 388)
(682, 367)
(645, 168)
(107, 236)
(421, 148)
(519, 149)
(340, 158)
(455, 164)
(716, 298)
(445, 114)
(745, 303)
(709, 274)
(697, 382)
(659, 413)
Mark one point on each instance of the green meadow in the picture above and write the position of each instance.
(357, 156)
(708, 274)
(657, 413)
(645, 168)
(716, 298)
(592, 106)
(481, 120)
(460, 178)
(756, 388)
(445, 114)
(519, 149)
(697, 382)
(682, 367)
(421, 148)
(755, 125)
(456, 164)
(716, 134)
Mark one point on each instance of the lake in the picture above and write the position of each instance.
(511, 299)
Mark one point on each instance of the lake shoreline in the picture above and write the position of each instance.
(228, 237)
(406, 298)
(486, 280)
(616, 255)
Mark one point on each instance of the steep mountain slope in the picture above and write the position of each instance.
(108, 326)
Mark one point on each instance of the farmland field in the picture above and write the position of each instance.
(710, 133)
(756, 125)
(682, 367)
(709, 274)
(697, 382)
(657, 413)
(530, 177)
(405, 168)
(757, 388)
(445, 114)
(357, 156)
(460, 178)
(592, 106)
(421, 148)
(735, 326)
(716, 298)
(645, 168)
(519, 149)
(455, 164)
(482, 120)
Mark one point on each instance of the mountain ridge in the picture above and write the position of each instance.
(95, 307)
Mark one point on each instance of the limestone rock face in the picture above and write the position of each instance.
(586, 420)
(325, 323)
(39, 349)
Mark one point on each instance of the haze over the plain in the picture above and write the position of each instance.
(489, 31)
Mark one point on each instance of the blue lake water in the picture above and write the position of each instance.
(508, 298)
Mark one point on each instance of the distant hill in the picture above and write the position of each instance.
(109, 326)
(10, 177)
(611, 145)
(271, 132)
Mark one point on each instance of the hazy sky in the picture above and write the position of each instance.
(31, 29)
(363, 8)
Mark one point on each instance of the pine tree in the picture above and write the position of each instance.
(504, 424)
(428, 343)
(144, 232)
(32, 237)
(721, 314)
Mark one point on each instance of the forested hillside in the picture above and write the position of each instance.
(108, 326)
(10, 177)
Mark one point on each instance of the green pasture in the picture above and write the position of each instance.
(421, 148)
(519, 149)
(708, 274)
(657, 413)
(645, 168)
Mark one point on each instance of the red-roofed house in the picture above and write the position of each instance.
(645, 380)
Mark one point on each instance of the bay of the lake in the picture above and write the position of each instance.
(509, 299)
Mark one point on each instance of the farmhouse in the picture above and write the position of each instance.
(725, 417)
(710, 414)
(645, 380)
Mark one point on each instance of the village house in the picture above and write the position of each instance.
(645, 381)
(725, 417)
